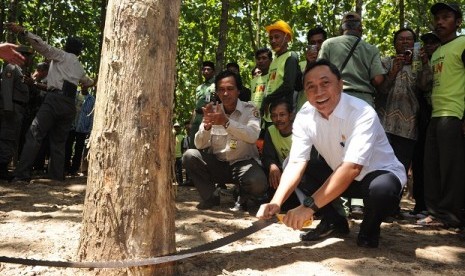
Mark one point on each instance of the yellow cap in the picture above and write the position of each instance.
(282, 26)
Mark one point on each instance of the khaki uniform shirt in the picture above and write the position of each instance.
(237, 142)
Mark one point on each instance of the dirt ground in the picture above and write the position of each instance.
(43, 221)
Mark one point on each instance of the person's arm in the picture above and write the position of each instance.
(333, 187)
(10, 55)
(270, 161)
(37, 43)
(377, 71)
(290, 179)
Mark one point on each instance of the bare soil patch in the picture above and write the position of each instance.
(43, 221)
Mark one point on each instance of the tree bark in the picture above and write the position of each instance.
(223, 35)
(129, 205)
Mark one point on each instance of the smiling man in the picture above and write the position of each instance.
(347, 133)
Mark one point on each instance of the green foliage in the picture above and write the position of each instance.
(54, 20)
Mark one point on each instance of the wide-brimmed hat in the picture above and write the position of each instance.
(282, 26)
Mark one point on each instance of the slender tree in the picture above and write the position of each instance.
(129, 204)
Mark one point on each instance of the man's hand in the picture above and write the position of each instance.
(268, 210)
(275, 176)
(397, 65)
(10, 55)
(213, 115)
(15, 28)
(297, 217)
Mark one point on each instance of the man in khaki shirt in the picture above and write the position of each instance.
(225, 142)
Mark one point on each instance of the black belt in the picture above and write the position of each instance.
(60, 92)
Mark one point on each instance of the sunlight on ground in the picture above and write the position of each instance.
(327, 242)
(443, 254)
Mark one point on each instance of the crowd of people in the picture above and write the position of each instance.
(44, 119)
(338, 133)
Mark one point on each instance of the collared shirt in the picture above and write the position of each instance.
(352, 133)
(237, 142)
(63, 65)
(397, 103)
(86, 115)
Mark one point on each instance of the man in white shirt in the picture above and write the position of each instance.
(346, 131)
(57, 113)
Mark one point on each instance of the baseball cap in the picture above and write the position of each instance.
(282, 26)
(429, 37)
(351, 16)
(447, 6)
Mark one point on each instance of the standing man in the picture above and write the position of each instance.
(263, 58)
(284, 77)
(14, 98)
(315, 38)
(245, 94)
(363, 71)
(203, 94)
(56, 114)
(444, 148)
(348, 134)
(81, 131)
(226, 142)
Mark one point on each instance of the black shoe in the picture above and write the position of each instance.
(367, 242)
(325, 229)
(209, 204)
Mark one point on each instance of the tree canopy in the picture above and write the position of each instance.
(200, 33)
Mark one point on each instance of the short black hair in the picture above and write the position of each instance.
(233, 64)
(264, 50)
(316, 30)
(397, 33)
(323, 62)
(280, 101)
(43, 66)
(73, 45)
(209, 64)
(225, 74)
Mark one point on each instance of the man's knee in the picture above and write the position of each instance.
(190, 157)
(255, 183)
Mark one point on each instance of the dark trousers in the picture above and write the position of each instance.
(380, 191)
(76, 139)
(205, 170)
(403, 149)
(54, 117)
(445, 169)
(178, 170)
(10, 130)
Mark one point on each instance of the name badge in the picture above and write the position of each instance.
(233, 144)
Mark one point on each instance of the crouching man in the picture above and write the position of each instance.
(346, 131)
(226, 151)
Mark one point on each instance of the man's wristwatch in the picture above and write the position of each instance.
(310, 203)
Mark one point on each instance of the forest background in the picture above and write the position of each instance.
(218, 30)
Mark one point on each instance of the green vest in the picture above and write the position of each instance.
(276, 73)
(178, 146)
(449, 79)
(281, 144)
(258, 86)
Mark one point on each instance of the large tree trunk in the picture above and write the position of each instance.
(129, 206)
(223, 35)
